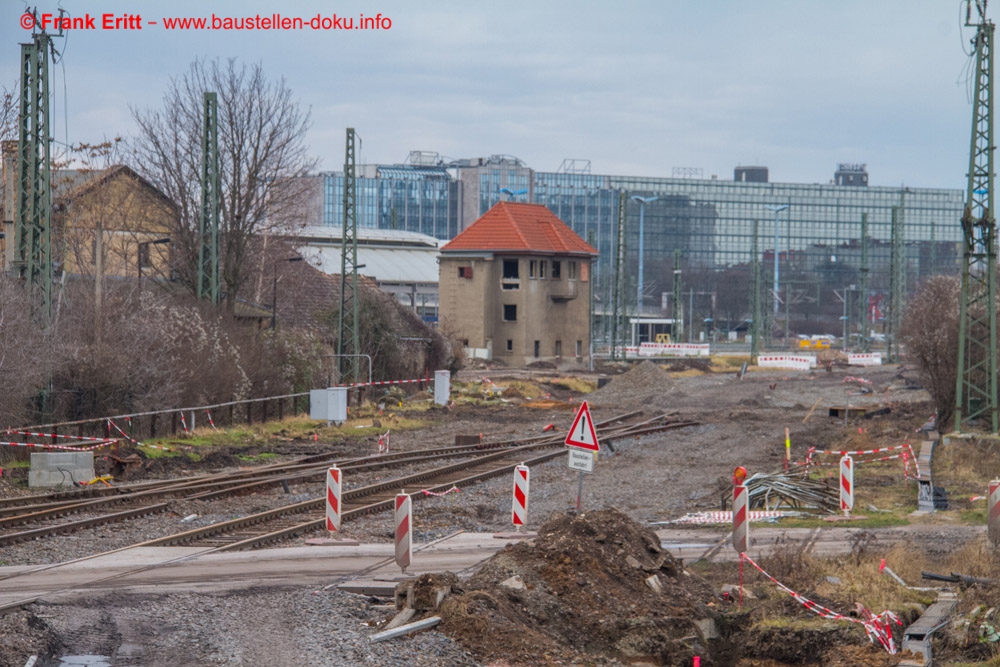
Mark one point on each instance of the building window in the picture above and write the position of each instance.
(510, 274)
(572, 271)
(145, 261)
(556, 270)
(558, 349)
(532, 268)
(541, 268)
(538, 348)
(510, 345)
(510, 313)
(579, 348)
(465, 272)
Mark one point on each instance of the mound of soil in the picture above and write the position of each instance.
(643, 380)
(579, 592)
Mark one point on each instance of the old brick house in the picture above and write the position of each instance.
(515, 286)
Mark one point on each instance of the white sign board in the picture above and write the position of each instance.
(580, 459)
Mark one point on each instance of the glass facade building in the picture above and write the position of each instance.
(816, 236)
(413, 199)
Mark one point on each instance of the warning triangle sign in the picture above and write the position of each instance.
(582, 433)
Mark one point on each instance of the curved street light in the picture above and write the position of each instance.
(642, 233)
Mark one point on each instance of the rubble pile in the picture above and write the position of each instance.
(643, 380)
(594, 587)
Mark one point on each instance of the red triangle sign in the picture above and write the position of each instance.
(582, 433)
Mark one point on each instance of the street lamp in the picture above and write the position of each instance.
(513, 193)
(274, 289)
(142, 245)
(642, 229)
(777, 208)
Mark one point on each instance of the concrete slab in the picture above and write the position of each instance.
(332, 542)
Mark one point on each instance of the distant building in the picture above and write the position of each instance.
(851, 175)
(515, 286)
(750, 174)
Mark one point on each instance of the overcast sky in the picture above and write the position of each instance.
(635, 87)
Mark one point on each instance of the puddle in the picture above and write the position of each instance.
(85, 661)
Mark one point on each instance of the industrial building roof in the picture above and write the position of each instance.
(520, 228)
(388, 256)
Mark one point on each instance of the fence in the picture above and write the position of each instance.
(162, 423)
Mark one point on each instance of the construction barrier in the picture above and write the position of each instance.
(383, 443)
(993, 529)
(846, 484)
(334, 489)
(787, 361)
(404, 530)
(672, 350)
(741, 524)
(724, 517)
(522, 477)
(873, 359)
(877, 626)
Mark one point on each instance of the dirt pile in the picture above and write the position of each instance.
(594, 588)
(644, 380)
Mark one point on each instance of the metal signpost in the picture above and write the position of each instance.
(582, 441)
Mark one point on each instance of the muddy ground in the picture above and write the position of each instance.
(653, 478)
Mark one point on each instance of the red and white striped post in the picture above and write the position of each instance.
(741, 523)
(519, 515)
(993, 529)
(404, 530)
(334, 488)
(847, 484)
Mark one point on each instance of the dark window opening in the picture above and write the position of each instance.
(556, 270)
(510, 269)
(144, 257)
(510, 313)
(465, 272)
(538, 348)
(510, 345)
(558, 348)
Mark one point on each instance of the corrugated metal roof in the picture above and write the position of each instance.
(385, 265)
(368, 235)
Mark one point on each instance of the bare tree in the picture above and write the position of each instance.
(262, 151)
(930, 340)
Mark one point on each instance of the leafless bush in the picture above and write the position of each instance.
(930, 340)
(24, 364)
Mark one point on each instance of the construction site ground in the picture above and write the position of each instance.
(585, 598)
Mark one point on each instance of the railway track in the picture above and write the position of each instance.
(274, 526)
(102, 506)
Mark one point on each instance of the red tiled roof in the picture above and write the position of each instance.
(513, 227)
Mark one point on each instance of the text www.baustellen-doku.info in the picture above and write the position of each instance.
(32, 21)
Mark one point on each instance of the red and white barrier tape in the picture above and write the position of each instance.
(453, 489)
(383, 443)
(906, 453)
(183, 422)
(877, 626)
(42, 445)
(11, 431)
(383, 382)
(134, 441)
(210, 420)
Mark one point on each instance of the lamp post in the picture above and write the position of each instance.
(642, 229)
(513, 193)
(143, 244)
(274, 289)
(777, 208)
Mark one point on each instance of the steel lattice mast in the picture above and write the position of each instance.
(755, 310)
(863, 342)
(347, 363)
(976, 386)
(616, 306)
(675, 305)
(897, 277)
(208, 228)
(33, 229)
